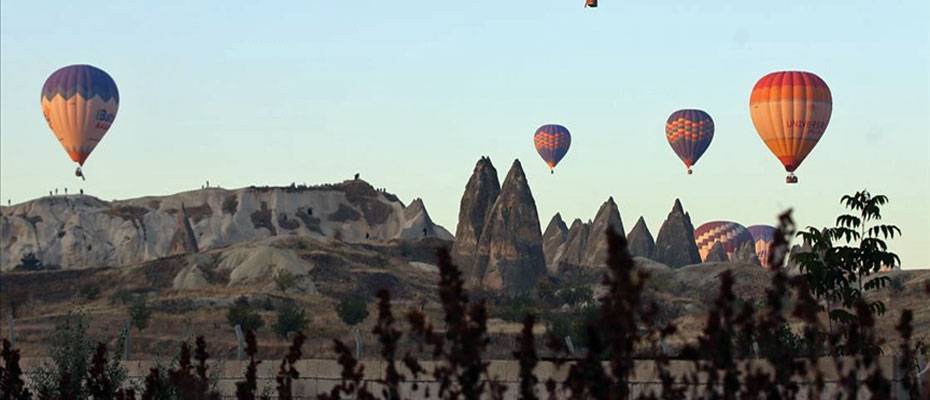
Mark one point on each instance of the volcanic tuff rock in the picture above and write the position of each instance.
(481, 192)
(640, 240)
(675, 245)
(572, 251)
(746, 254)
(607, 218)
(555, 235)
(717, 253)
(81, 231)
(510, 254)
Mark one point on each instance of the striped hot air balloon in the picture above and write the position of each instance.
(79, 103)
(762, 236)
(791, 110)
(552, 142)
(689, 132)
(730, 234)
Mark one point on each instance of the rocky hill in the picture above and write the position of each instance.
(81, 231)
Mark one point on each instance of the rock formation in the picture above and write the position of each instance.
(640, 240)
(675, 245)
(717, 253)
(607, 218)
(572, 252)
(746, 253)
(510, 255)
(555, 235)
(481, 192)
(81, 231)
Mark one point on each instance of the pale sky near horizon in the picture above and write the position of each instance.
(411, 94)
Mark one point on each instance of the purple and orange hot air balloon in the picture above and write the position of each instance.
(791, 110)
(79, 103)
(689, 132)
(730, 234)
(552, 143)
(762, 236)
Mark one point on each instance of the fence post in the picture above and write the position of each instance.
(127, 332)
(12, 319)
(570, 345)
(240, 342)
(358, 343)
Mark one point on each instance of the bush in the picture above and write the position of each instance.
(515, 309)
(290, 319)
(29, 262)
(139, 313)
(284, 280)
(352, 310)
(243, 314)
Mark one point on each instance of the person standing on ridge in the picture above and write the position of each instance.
(356, 176)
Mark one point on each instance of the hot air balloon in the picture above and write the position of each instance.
(79, 103)
(762, 236)
(552, 142)
(791, 110)
(730, 234)
(689, 132)
(590, 3)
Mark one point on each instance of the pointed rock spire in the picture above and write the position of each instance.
(555, 235)
(607, 218)
(481, 192)
(675, 245)
(510, 255)
(640, 240)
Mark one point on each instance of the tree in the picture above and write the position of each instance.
(284, 280)
(841, 259)
(352, 310)
(242, 313)
(291, 319)
(139, 313)
(29, 262)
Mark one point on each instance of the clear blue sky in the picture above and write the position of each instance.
(411, 93)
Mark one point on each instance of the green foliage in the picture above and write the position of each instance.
(576, 295)
(242, 313)
(574, 324)
(842, 258)
(69, 374)
(29, 262)
(290, 319)
(139, 313)
(284, 280)
(90, 292)
(352, 310)
(515, 309)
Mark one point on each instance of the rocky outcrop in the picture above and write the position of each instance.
(717, 254)
(81, 231)
(746, 254)
(572, 252)
(606, 219)
(510, 255)
(675, 245)
(481, 192)
(640, 241)
(555, 235)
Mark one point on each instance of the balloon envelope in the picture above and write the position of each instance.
(689, 132)
(730, 234)
(762, 236)
(79, 103)
(552, 142)
(791, 110)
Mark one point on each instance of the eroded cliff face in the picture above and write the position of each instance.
(640, 240)
(81, 231)
(553, 238)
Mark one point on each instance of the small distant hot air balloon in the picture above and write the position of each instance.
(730, 234)
(79, 103)
(689, 132)
(590, 3)
(762, 236)
(791, 110)
(552, 142)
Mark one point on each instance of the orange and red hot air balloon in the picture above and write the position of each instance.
(552, 143)
(79, 103)
(791, 110)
